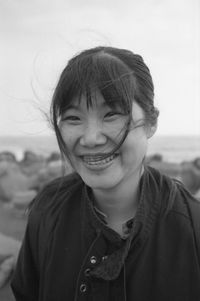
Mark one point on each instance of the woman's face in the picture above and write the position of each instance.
(91, 132)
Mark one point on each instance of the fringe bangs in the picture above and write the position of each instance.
(104, 73)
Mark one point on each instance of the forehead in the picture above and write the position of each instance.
(95, 99)
(91, 78)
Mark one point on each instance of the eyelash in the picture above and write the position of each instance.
(74, 118)
(112, 113)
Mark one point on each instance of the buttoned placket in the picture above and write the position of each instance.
(90, 260)
(85, 283)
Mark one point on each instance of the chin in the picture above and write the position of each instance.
(98, 182)
(107, 178)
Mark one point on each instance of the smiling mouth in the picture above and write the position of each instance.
(97, 161)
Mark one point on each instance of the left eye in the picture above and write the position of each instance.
(71, 118)
(111, 114)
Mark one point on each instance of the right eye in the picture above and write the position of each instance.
(71, 118)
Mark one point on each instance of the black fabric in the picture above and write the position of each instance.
(65, 238)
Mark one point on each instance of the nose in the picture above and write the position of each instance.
(92, 136)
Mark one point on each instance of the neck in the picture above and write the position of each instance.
(120, 202)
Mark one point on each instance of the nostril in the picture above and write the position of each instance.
(92, 139)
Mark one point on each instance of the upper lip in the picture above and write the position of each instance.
(94, 155)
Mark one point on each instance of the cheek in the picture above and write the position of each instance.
(69, 137)
(134, 150)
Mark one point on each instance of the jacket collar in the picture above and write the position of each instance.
(153, 189)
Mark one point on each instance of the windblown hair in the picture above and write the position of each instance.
(118, 74)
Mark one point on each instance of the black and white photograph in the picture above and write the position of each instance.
(99, 150)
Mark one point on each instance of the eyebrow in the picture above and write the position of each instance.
(76, 107)
(71, 107)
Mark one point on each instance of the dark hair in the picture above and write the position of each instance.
(121, 77)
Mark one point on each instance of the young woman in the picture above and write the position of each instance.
(115, 229)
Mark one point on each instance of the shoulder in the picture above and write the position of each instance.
(45, 209)
(55, 194)
(173, 195)
(185, 217)
(187, 200)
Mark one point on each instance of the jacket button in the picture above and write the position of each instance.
(93, 259)
(87, 272)
(83, 288)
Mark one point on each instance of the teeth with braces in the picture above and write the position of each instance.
(92, 161)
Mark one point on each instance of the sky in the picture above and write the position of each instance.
(38, 37)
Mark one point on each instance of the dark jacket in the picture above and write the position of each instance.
(69, 254)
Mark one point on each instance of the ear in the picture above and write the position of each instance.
(151, 129)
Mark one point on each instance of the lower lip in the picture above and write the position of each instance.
(99, 166)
